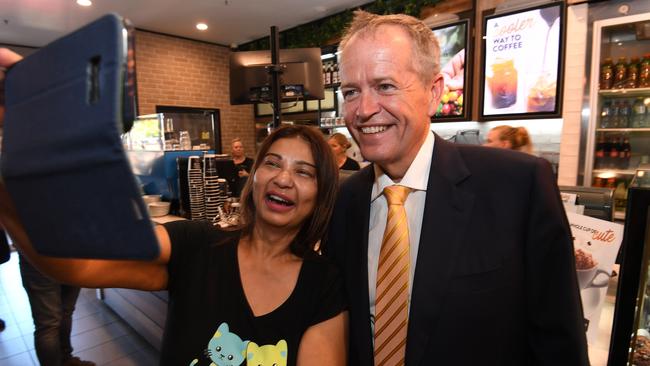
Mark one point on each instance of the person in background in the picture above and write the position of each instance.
(52, 304)
(340, 144)
(439, 242)
(508, 137)
(243, 165)
(258, 294)
(5, 255)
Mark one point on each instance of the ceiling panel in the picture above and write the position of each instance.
(37, 22)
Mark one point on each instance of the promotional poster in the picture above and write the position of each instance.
(596, 243)
(452, 40)
(522, 59)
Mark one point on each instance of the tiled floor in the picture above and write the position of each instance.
(98, 334)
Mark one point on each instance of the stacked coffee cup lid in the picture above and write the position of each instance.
(223, 191)
(211, 185)
(196, 189)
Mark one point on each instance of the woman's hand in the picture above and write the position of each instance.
(7, 59)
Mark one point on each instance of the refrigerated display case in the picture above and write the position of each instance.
(630, 339)
(618, 140)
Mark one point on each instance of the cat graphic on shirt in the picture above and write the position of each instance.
(225, 348)
(267, 355)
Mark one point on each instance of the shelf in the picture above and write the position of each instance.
(631, 129)
(617, 171)
(635, 92)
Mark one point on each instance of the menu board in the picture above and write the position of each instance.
(522, 62)
(452, 39)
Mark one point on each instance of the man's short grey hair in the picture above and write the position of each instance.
(426, 51)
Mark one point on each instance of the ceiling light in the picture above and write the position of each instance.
(84, 2)
(201, 26)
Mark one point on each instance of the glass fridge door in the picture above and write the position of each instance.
(619, 126)
(630, 341)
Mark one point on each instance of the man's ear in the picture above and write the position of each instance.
(437, 86)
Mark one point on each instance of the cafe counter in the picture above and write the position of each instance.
(144, 311)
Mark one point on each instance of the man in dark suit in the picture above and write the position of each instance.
(491, 279)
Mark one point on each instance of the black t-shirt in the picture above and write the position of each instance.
(209, 316)
(350, 164)
(246, 165)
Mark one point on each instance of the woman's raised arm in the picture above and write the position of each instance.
(142, 275)
(325, 343)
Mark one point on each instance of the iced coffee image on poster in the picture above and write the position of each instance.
(503, 83)
(521, 62)
(452, 40)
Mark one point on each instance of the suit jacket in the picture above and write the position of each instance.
(495, 280)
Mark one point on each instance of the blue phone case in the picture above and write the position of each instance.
(62, 158)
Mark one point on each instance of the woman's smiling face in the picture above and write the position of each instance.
(285, 184)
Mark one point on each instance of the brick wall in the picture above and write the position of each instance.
(179, 72)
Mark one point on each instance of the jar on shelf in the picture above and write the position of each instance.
(620, 73)
(633, 73)
(606, 74)
(644, 71)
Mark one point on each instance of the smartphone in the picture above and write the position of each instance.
(62, 160)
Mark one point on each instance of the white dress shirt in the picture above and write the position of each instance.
(416, 178)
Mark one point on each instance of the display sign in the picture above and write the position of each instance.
(453, 42)
(522, 64)
(596, 244)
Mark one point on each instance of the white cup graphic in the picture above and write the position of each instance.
(591, 277)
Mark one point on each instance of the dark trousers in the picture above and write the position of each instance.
(52, 305)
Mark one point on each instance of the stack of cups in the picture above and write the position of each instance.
(223, 191)
(197, 193)
(211, 184)
(185, 141)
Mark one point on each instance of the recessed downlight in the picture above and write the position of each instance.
(84, 2)
(201, 26)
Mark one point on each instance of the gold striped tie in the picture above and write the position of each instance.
(391, 304)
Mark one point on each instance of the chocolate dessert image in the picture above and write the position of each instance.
(584, 260)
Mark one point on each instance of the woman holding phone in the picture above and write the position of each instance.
(255, 295)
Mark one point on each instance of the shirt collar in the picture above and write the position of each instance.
(417, 175)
